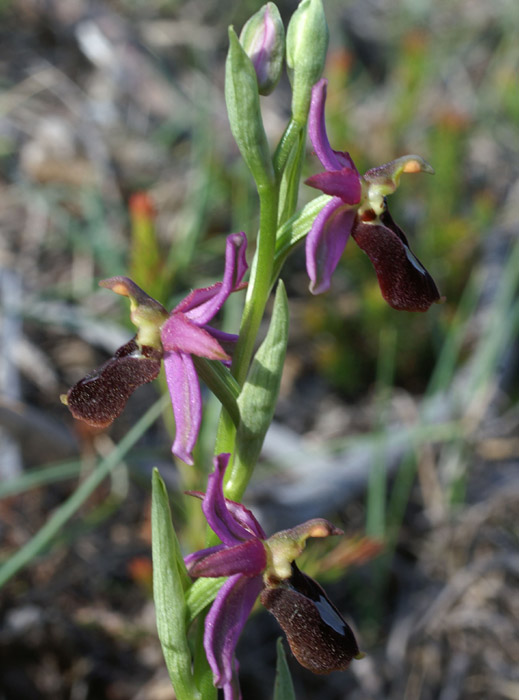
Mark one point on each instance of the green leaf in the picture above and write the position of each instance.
(283, 687)
(258, 397)
(221, 382)
(170, 578)
(201, 594)
(295, 230)
(243, 108)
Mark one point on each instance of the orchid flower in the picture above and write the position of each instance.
(175, 337)
(358, 207)
(318, 636)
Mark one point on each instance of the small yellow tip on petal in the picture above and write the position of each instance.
(322, 528)
(360, 655)
(120, 289)
(119, 285)
(64, 399)
(412, 166)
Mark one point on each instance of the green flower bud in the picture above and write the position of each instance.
(263, 40)
(307, 43)
(243, 108)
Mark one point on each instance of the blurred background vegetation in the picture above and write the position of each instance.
(404, 426)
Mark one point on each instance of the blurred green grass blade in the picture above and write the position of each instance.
(377, 483)
(446, 365)
(52, 527)
(283, 687)
(40, 477)
(169, 580)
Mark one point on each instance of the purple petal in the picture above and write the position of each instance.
(246, 518)
(214, 506)
(186, 400)
(344, 183)
(332, 160)
(180, 334)
(191, 559)
(203, 304)
(248, 558)
(223, 626)
(404, 282)
(241, 514)
(227, 340)
(326, 242)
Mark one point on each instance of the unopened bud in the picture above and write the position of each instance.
(263, 40)
(307, 43)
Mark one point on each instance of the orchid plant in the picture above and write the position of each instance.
(220, 584)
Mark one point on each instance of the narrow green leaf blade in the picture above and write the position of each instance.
(283, 687)
(169, 580)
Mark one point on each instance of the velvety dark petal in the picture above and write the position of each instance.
(223, 626)
(404, 282)
(186, 400)
(214, 506)
(343, 183)
(325, 243)
(248, 558)
(319, 637)
(101, 396)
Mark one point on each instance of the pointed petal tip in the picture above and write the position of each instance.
(415, 164)
(316, 288)
(183, 456)
(119, 285)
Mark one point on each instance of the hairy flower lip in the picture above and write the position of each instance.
(319, 637)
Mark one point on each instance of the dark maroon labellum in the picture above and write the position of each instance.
(101, 396)
(404, 282)
(319, 637)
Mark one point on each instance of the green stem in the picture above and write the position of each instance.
(259, 284)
